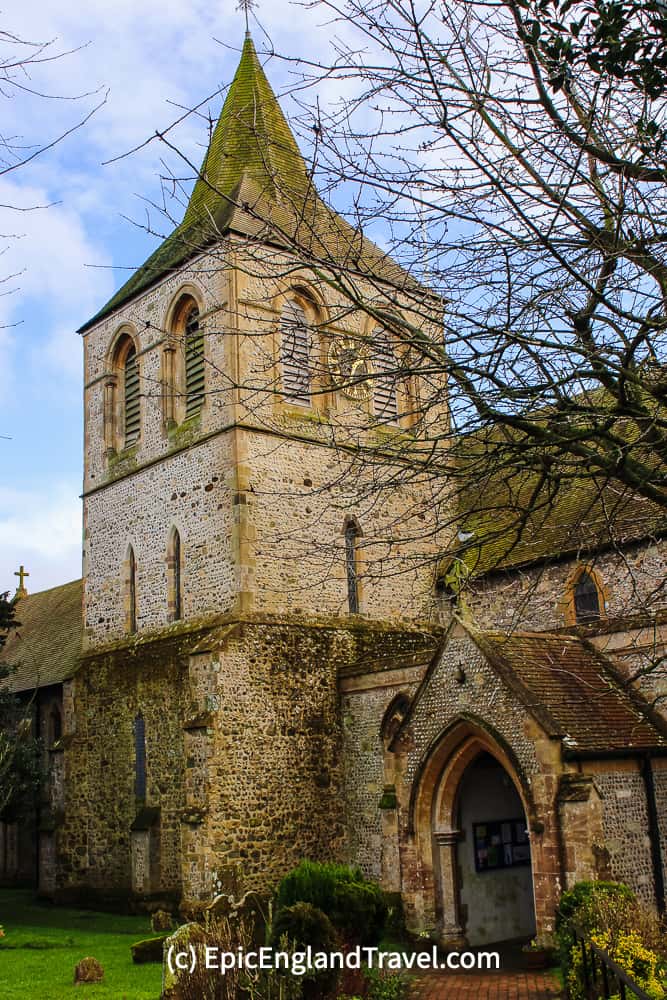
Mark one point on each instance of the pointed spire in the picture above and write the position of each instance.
(251, 141)
(254, 181)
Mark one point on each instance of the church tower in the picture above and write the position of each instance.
(252, 522)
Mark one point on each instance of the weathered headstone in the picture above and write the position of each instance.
(161, 920)
(177, 943)
(88, 970)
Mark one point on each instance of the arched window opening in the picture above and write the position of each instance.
(55, 725)
(174, 572)
(131, 403)
(131, 592)
(194, 362)
(122, 403)
(351, 565)
(295, 353)
(385, 400)
(139, 757)
(393, 717)
(586, 599)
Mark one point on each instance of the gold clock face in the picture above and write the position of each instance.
(349, 367)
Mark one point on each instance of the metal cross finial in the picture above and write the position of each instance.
(246, 6)
(20, 590)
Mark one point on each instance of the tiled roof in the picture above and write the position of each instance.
(45, 648)
(575, 691)
(255, 182)
(514, 519)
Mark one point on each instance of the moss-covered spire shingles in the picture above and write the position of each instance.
(253, 141)
(252, 149)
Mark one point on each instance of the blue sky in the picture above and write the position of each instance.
(61, 263)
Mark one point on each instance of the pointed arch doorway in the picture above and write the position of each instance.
(481, 848)
(493, 855)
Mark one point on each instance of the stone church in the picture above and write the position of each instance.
(266, 659)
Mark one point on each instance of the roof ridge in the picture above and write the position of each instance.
(49, 590)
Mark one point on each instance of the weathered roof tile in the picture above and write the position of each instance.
(575, 690)
(46, 647)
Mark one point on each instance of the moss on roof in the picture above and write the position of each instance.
(46, 647)
(255, 182)
(517, 514)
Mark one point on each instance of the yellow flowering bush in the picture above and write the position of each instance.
(608, 915)
(627, 950)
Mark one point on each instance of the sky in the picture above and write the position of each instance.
(70, 229)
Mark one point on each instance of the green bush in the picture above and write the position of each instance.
(386, 985)
(301, 925)
(643, 966)
(314, 882)
(304, 924)
(356, 907)
(583, 892)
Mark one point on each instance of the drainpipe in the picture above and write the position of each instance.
(654, 833)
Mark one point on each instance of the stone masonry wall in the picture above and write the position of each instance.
(170, 478)
(660, 780)
(243, 751)
(625, 824)
(363, 713)
(534, 598)
(481, 694)
(298, 502)
(191, 492)
(147, 320)
(101, 804)
(295, 469)
(276, 763)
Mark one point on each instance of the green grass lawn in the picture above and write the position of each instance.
(43, 943)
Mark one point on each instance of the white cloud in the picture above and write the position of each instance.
(153, 57)
(51, 256)
(42, 531)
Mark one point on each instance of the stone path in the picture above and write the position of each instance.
(485, 986)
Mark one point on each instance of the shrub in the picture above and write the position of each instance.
(355, 906)
(303, 924)
(386, 985)
(611, 917)
(314, 882)
(251, 984)
(583, 892)
(580, 904)
(627, 950)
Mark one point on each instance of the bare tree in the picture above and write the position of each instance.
(20, 63)
(520, 188)
(522, 184)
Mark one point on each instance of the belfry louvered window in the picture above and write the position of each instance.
(194, 363)
(385, 403)
(295, 353)
(132, 413)
(586, 599)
